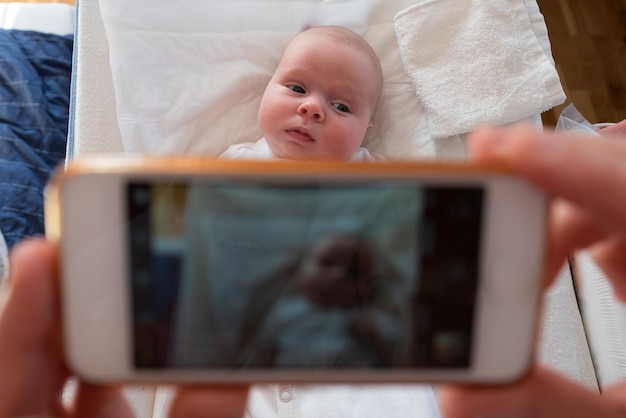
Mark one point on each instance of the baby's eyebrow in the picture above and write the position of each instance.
(296, 73)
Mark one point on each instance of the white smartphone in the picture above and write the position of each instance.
(187, 270)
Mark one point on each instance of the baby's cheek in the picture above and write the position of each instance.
(351, 140)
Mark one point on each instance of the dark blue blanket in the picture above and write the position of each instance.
(35, 71)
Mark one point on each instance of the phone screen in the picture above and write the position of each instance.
(235, 273)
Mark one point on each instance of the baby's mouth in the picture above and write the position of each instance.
(301, 135)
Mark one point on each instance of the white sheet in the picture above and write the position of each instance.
(188, 76)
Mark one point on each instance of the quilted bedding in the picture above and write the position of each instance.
(35, 72)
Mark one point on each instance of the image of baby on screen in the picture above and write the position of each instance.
(265, 266)
(334, 317)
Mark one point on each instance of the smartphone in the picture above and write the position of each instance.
(186, 270)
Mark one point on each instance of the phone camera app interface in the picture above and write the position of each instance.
(238, 274)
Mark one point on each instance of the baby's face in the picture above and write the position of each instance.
(338, 272)
(319, 103)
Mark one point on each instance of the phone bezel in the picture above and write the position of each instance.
(85, 208)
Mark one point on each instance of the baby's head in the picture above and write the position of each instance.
(338, 272)
(320, 101)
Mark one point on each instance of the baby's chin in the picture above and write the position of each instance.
(304, 152)
(331, 305)
(324, 301)
(284, 153)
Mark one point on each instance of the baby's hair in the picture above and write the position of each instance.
(350, 38)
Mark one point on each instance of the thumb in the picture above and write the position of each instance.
(541, 394)
(30, 349)
(100, 402)
(210, 401)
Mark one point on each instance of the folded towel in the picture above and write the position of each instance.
(479, 62)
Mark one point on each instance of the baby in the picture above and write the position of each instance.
(333, 319)
(320, 101)
(299, 277)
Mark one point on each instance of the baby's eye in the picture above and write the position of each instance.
(296, 88)
(341, 107)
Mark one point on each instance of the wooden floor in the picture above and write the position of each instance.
(589, 47)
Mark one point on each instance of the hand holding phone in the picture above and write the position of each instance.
(279, 271)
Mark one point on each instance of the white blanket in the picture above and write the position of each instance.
(188, 76)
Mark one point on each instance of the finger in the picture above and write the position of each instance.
(100, 402)
(30, 349)
(563, 166)
(570, 229)
(542, 394)
(616, 394)
(587, 171)
(609, 256)
(210, 401)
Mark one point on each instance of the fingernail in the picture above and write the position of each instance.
(619, 289)
(538, 149)
(552, 145)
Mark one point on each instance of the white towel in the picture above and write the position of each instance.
(479, 62)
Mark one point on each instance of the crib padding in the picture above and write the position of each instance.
(96, 130)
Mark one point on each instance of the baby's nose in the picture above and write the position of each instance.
(311, 109)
